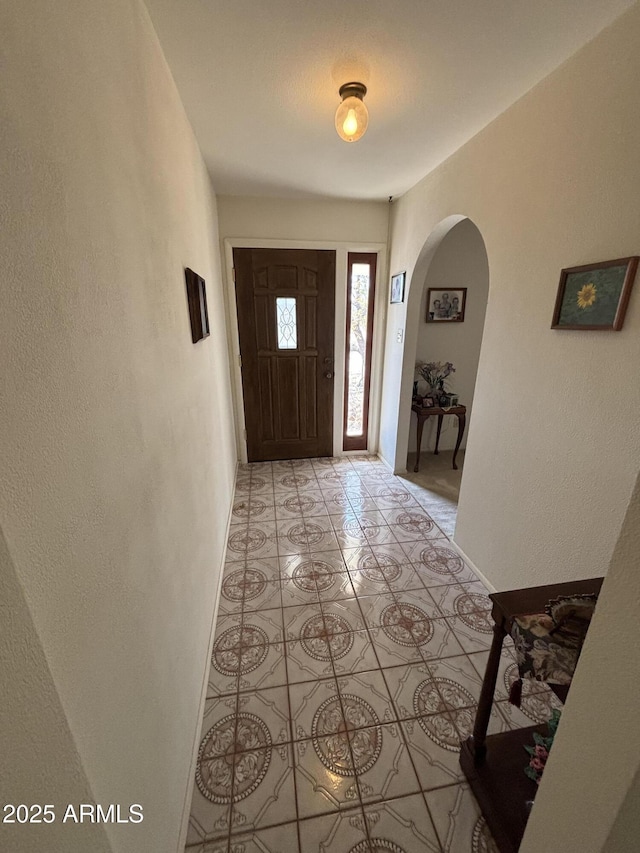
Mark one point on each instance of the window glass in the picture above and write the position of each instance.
(286, 320)
(357, 354)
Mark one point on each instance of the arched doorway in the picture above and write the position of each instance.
(453, 258)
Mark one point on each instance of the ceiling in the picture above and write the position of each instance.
(259, 80)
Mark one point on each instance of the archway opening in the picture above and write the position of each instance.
(447, 304)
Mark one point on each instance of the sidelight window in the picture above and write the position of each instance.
(360, 291)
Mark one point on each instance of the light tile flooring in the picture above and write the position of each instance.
(346, 668)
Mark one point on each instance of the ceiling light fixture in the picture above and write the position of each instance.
(352, 116)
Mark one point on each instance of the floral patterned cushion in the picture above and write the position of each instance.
(548, 645)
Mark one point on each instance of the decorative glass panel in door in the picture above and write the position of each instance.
(287, 321)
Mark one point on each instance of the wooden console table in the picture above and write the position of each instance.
(494, 765)
(423, 413)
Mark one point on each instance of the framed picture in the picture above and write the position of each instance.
(197, 298)
(446, 306)
(397, 287)
(595, 296)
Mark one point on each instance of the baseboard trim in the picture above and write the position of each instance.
(473, 567)
(186, 810)
(388, 465)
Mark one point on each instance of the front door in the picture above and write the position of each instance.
(286, 306)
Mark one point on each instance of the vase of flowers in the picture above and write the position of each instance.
(435, 374)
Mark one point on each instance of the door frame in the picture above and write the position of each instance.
(342, 249)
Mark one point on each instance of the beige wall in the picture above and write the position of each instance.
(303, 219)
(461, 261)
(624, 834)
(117, 455)
(587, 801)
(553, 182)
(40, 762)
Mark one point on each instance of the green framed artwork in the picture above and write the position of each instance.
(595, 296)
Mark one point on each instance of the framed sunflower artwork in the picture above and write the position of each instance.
(595, 296)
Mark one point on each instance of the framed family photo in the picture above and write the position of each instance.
(446, 306)
(397, 287)
(594, 296)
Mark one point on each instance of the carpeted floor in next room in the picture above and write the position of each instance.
(350, 646)
(440, 486)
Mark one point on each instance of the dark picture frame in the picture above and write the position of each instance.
(397, 287)
(594, 297)
(446, 304)
(197, 298)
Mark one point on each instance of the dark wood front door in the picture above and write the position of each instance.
(286, 307)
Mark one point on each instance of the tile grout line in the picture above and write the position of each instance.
(375, 654)
(293, 749)
(399, 726)
(233, 764)
(335, 679)
(351, 754)
(404, 739)
(398, 722)
(239, 676)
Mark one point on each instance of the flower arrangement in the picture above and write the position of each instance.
(539, 753)
(435, 373)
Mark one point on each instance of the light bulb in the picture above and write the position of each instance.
(352, 116)
(350, 125)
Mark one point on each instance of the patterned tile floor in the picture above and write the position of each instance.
(347, 664)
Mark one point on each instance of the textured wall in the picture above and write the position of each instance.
(549, 471)
(117, 452)
(303, 219)
(40, 762)
(624, 834)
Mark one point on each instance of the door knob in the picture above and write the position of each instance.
(328, 375)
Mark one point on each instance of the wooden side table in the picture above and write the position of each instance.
(423, 413)
(494, 765)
